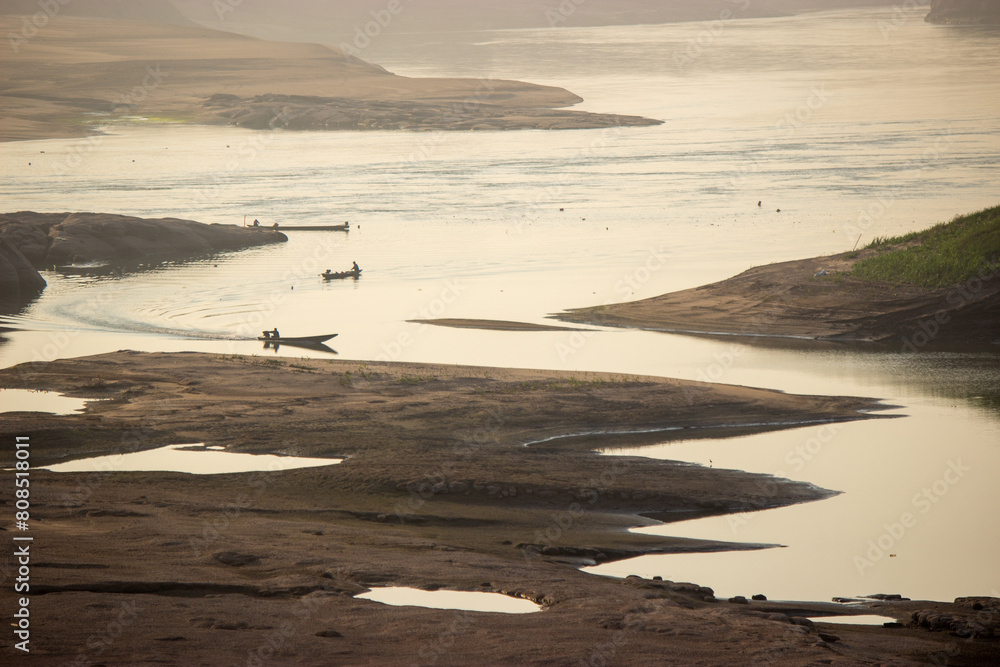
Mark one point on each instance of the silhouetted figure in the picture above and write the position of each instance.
(356, 267)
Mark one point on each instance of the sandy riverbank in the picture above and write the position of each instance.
(437, 491)
(818, 298)
(77, 74)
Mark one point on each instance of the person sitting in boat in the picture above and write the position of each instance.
(356, 269)
(256, 223)
(274, 333)
(266, 334)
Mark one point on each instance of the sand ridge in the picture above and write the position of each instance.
(77, 73)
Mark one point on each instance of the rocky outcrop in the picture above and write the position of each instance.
(18, 278)
(965, 12)
(47, 239)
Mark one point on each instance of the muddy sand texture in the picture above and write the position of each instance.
(789, 299)
(437, 491)
(48, 239)
(77, 73)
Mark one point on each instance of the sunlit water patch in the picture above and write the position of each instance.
(909, 521)
(192, 459)
(30, 400)
(459, 600)
(860, 619)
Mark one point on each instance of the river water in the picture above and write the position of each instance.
(857, 123)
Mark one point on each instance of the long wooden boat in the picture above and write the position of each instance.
(338, 275)
(311, 228)
(299, 340)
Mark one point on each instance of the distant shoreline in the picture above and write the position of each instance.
(79, 73)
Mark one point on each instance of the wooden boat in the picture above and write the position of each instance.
(313, 228)
(330, 275)
(298, 340)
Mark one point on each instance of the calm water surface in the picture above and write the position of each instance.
(848, 130)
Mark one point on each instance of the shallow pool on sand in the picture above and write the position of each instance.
(460, 600)
(191, 459)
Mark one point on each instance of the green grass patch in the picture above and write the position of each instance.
(946, 254)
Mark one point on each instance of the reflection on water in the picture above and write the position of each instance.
(464, 601)
(30, 400)
(191, 459)
(912, 517)
(899, 132)
(860, 619)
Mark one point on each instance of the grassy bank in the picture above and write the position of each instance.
(944, 255)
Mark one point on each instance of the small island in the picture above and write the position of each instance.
(933, 288)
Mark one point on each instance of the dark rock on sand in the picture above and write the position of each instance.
(961, 625)
(17, 276)
(328, 633)
(236, 559)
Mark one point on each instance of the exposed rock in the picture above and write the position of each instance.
(739, 599)
(964, 12)
(18, 278)
(328, 633)
(759, 597)
(64, 238)
(957, 624)
(236, 559)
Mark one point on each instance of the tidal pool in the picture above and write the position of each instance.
(191, 459)
(459, 600)
(30, 400)
(861, 619)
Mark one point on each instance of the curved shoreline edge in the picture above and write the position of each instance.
(435, 492)
(828, 299)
